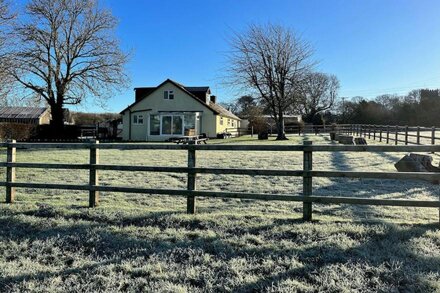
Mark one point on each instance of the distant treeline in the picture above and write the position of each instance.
(81, 118)
(419, 107)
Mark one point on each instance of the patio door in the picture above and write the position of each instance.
(172, 125)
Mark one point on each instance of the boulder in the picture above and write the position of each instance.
(263, 135)
(345, 139)
(417, 163)
(360, 141)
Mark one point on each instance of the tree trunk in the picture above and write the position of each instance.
(281, 134)
(57, 122)
(308, 117)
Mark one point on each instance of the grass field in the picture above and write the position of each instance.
(50, 241)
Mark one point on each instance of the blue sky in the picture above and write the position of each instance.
(373, 47)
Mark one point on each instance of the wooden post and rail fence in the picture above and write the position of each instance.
(395, 134)
(191, 192)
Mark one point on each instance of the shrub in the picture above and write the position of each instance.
(18, 131)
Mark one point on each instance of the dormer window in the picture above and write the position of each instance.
(168, 95)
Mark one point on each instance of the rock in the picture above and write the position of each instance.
(417, 163)
(345, 139)
(360, 141)
(263, 135)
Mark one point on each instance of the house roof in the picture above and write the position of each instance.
(197, 92)
(142, 92)
(197, 88)
(223, 111)
(22, 112)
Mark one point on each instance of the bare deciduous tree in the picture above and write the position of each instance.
(318, 93)
(273, 61)
(68, 51)
(6, 18)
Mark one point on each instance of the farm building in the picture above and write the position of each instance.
(171, 109)
(25, 115)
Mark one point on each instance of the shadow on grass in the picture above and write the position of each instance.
(384, 246)
(368, 188)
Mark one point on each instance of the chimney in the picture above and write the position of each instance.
(214, 99)
(137, 95)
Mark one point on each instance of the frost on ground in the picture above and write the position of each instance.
(51, 242)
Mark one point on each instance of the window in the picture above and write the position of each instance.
(154, 125)
(172, 125)
(177, 125)
(138, 119)
(166, 124)
(229, 121)
(168, 95)
(190, 123)
(221, 120)
(233, 123)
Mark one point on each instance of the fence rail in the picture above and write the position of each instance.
(395, 133)
(192, 171)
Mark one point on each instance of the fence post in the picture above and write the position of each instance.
(369, 131)
(307, 181)
(388, 134)
(192, 184)
(10, 171)
(93, 174)
(380, 133)
(433, 135)
(406, 135)
(418, 134)
(396, 135)
(374, 132)
(252, 131)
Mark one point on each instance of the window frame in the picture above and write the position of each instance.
(150, 124)
(138, 119)
(172, 123)
(168, 95)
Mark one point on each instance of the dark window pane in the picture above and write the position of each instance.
(166, 124)
(190, 121)
(154, 125)
(177, 125)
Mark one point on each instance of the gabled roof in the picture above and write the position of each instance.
(22, 112)
(197, 92)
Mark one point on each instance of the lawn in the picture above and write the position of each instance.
(50, 241)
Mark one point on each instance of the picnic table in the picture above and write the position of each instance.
(186, 139)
